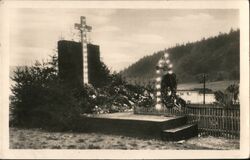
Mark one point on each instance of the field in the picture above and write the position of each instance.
(219, 85)
(39, 139)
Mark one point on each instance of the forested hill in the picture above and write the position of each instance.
(217, 56)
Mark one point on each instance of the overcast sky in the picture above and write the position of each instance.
(124, 35)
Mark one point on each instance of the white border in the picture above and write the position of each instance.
(128, 154)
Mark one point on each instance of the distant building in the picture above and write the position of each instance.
(196, 97)
(70, 63)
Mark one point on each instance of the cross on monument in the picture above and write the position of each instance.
(84, 29)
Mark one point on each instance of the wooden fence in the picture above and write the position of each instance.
(212, 120)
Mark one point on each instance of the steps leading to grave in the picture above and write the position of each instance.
(179, 133)
(175, 122)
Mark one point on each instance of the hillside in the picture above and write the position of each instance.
(217, 56)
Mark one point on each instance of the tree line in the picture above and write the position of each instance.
(216, 56)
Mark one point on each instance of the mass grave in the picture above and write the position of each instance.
(78, 65)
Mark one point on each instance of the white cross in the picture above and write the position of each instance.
(84, 29)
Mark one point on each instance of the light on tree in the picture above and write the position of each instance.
(158, 106)
(158, 79)
(170, 66)
(158, 86)
(160, 62)
(158, 93)
(166, 55)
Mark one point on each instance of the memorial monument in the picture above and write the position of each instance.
(79, 63)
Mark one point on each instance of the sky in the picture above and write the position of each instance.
(124, 35)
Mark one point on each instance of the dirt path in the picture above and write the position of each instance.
(38, 139)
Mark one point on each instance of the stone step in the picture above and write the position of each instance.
(174, 123)
(180, 133)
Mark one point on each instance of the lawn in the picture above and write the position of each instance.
(39, 139)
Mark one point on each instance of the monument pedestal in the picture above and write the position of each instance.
(143, 126)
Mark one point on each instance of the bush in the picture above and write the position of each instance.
(39, 99)
(117, 96)
(229, 97)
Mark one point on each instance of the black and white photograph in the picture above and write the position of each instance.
(119, 77)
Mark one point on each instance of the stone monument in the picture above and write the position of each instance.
(79, 63)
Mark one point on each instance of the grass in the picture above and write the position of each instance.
(39, 139)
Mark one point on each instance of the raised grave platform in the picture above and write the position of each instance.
(143, 126)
